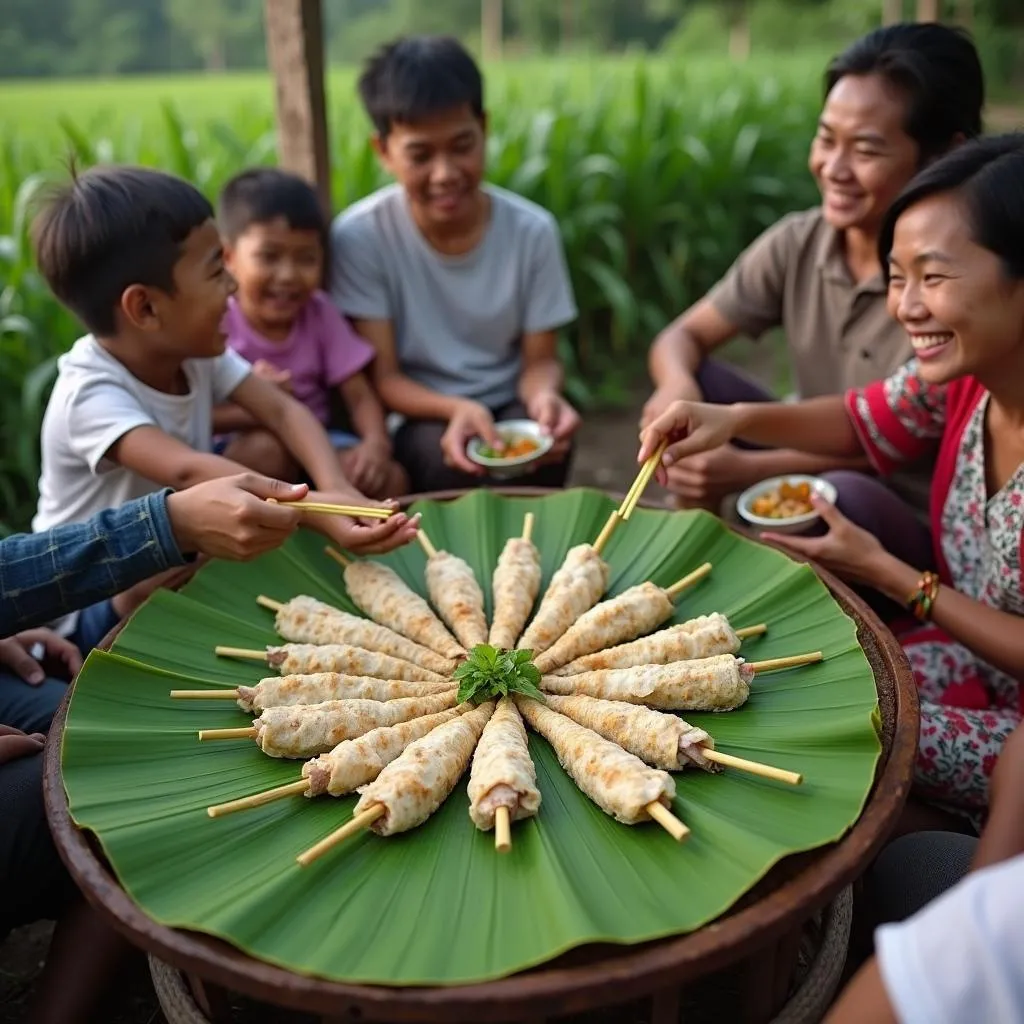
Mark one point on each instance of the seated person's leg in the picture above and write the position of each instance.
(418, 450)
(29, 708)
(261, 451)
(35, 884)
(394, 481)
(723, 384)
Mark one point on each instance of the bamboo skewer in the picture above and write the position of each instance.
(258, 799)
(791, 662)
(246, 653)
(606, 531)
(688, 581)
(351, 827)
(643, 478)
(338, 557)
(502, 830)
(668, 821)
(329, 509)
(245, 733)
(766, 771)
(267, 602)
(528, 526)
(749, 631)
(228, 694)
(426, 544)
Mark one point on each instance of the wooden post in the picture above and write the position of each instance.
(892, 11)
(295, 50)
(491, 16)
(927, 10)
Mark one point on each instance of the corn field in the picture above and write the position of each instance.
(658, 175)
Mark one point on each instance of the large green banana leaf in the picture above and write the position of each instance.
(437, 905)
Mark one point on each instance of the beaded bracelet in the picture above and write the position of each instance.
(922, 599)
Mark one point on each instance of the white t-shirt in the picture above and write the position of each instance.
(95, 402)
(458, 320)
(961, 959)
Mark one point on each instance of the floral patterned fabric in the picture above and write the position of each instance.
(968, 707)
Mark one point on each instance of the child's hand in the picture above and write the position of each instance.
(366, 465)
(269, 372)
(14, 743)
(15, 654)
(471, 419)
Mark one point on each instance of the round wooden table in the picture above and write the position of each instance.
(759, 935)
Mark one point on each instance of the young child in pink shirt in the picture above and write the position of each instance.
(280, 321)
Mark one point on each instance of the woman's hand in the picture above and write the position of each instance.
(15, 654)
(847, 550)
(689, 428)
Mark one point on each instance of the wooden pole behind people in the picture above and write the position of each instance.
(295, 52)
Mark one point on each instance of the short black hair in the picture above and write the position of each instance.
(935, 66)
(263, 194)
(417, 77)
(988, 175)
(112, 227)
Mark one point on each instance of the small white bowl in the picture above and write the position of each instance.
(513, 429)
(794, 524)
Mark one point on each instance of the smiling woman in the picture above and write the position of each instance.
(953, 247)
(894, 101)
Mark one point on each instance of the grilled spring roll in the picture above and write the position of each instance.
(420, 779)
(575, 587)
(306, 620)
(617, 781)
(382, 594)
(353, 763)
(703, 637)
(502, 774)
(305, 730)
(317, 687)
(721, 683)
(456, 594)
(514, 585)
(660, 740)
(630, 614)
(302, 659)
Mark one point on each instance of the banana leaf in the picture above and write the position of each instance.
(437, 905)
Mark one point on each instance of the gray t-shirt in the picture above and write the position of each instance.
(458, 320)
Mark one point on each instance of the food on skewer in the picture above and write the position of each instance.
(514, 585)
(346, 767)
(624, 617)
(353, 763)
(661, 740)
(305, 730)
(414, 785)
(617, 781)
(502, 780)
(455, 593)
(721, 683)
(575, 587)
(306, 620)
(317, 687)
(702, 637)
(383, 595)
(299, 659)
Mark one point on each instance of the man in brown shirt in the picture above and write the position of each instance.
(895, 100)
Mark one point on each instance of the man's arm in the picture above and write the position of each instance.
(46, 575)
(540, 386)
(680, 348)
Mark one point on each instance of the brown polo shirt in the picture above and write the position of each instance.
(839, 333)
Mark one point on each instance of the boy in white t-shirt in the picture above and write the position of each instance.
(460, 286)
(136, 254)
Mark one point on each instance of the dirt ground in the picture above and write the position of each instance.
(606, 459)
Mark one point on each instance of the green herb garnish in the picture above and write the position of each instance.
(489, 673)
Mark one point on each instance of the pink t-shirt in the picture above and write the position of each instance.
(321, 351)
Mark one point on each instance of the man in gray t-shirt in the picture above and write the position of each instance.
(461, 287)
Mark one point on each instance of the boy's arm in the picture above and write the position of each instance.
(540, 386)
(228, 417)
(365, 411)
